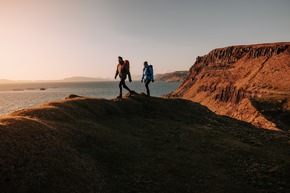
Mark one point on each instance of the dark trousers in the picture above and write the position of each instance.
(122, 83)
(147, 81)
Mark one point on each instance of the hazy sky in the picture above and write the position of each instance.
(54, 39)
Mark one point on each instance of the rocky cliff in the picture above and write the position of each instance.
(231, 80)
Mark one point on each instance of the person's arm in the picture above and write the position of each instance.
(128, 72)
(143, 75)
(129, 75)
(117, 72)
(151, 71)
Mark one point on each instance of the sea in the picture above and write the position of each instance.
(16, 96)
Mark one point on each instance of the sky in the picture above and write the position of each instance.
(56, 39)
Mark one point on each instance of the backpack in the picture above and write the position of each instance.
(149, 72)
(123, 67)
(150, 66)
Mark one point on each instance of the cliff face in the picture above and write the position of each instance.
(228, 80)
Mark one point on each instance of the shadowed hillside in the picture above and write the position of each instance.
(232, 80)
(138, 144)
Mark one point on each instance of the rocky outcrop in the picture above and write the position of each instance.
(227, 80)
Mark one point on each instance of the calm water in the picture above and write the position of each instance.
(22, 95)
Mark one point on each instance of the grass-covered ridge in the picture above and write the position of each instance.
(138, 144)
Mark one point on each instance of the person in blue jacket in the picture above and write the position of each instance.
(147, 76)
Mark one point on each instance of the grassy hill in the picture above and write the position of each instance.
(138, 144)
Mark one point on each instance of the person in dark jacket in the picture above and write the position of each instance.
(147, 76)
(123, 69)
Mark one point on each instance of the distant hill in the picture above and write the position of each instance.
(138, 144)
(5, 81)
(82, 79)
(177, 76)
(249, 82)
(70, 79)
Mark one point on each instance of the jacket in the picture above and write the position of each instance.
(122, 71)
(147, 73)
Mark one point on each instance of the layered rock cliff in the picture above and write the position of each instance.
(230, 80)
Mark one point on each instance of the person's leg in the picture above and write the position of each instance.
(120, 87)
(147, 86)
(127, 88)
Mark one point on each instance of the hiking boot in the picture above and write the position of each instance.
(119, 97)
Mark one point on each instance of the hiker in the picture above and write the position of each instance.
(123, 68)
(147, 76)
